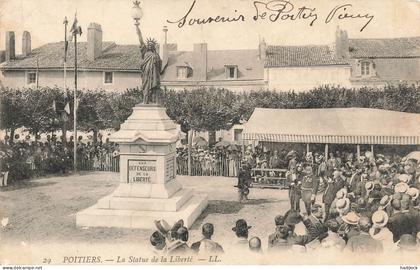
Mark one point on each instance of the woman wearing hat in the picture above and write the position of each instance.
(380, 232)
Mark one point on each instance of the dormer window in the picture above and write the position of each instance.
(183, 72)
(365, 69)
(231, 71)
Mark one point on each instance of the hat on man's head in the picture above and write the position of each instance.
(162, 226)
(241, 225)
(384, 202)
(342, 205)
(404, 178)
(157, 239)
(341, 194)
(369, 186)
(379, 219)
(351, 218)
(177, 225)
(413, 192)
(401, 187)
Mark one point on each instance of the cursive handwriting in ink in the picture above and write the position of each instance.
(340, 12)
(197, 21)
(283, 10)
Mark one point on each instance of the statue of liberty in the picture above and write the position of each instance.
(150, 67)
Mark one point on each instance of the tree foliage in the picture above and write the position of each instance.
(201, 109)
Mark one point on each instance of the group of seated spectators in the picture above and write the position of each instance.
(35, 157)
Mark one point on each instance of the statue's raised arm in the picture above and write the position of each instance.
(140, 36)
(150, 67)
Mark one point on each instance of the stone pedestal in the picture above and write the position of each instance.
(148, 188)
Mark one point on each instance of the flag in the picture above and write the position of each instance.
(75, 29)
(76, 106)
(67, 108)
(67, 101)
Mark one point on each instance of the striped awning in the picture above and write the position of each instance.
(334, 126)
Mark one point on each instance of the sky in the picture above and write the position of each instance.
(44, 20)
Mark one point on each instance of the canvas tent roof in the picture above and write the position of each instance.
(333, 125)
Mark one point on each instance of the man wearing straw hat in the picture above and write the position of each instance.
(380, 232)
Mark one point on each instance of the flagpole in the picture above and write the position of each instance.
(75, 105)
(65, 52)
(64, 116)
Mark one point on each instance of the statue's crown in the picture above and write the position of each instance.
(151, 41)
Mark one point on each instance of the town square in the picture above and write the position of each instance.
(188, 132)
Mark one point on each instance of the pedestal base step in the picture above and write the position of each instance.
(96, 217)
(146, 204)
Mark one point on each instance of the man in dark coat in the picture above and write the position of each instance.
(316, 229)
(309, 188)
(333, 186)
(401, 221)
(244, 181)
(295, 193)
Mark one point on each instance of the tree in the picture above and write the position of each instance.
(39, 112)
(202, 110)
(11, 110)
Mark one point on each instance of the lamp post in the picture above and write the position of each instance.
(136, 12)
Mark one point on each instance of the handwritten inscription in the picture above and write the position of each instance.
(276, 11)
(141, 171)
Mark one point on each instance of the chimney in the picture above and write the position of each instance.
(341, 46)
(26, 43)
(345, 47)
(165, 34)
(165, 49)
(200, 61)
(262, 49)
(94, 41)
(10, 45)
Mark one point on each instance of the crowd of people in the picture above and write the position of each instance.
(214, 161)
(35, 157)
(364, 204)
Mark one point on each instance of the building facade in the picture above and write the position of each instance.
(110, 66)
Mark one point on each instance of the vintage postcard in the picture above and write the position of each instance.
(209, 132)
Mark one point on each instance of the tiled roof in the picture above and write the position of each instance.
(50, 56)
(249, 66)
(301, 56)
(394, 47)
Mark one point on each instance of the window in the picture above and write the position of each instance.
(183, 72)
(31, 77)
(108, 77)
(365, 68)
(231, 72)
(237, 134)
